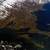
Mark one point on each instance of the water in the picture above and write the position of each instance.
(42, 40)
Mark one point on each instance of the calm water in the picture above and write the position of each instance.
(6, 34)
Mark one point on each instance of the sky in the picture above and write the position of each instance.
(7, 3)
(41, 1)
(10, 2)
(4, 4)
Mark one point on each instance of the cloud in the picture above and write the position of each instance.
(7, 3)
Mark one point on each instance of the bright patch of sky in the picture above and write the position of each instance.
(7, 3)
